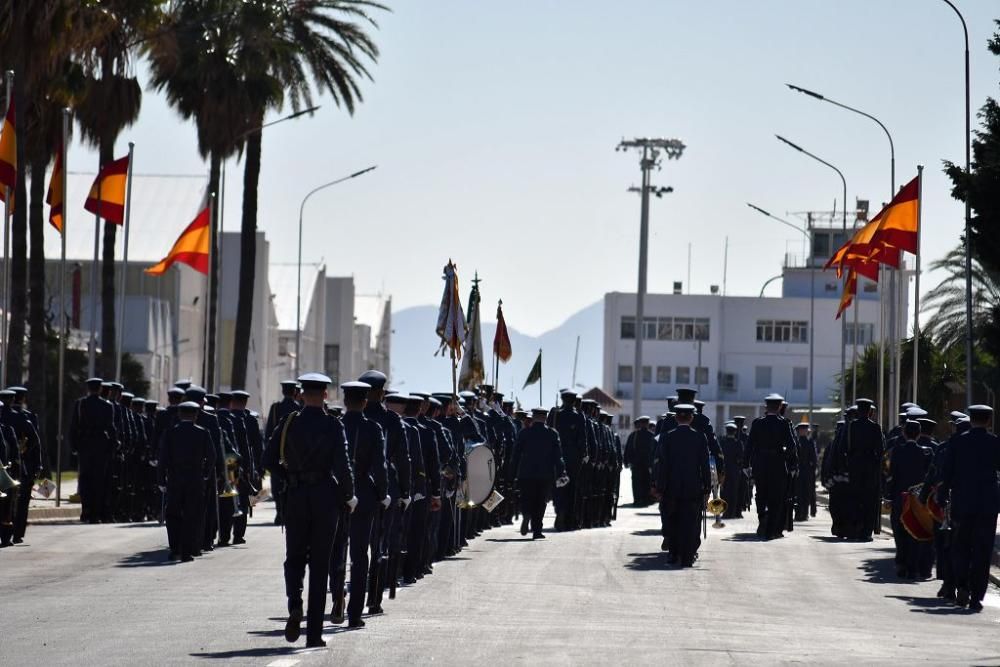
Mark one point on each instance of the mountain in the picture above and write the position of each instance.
(414, 366)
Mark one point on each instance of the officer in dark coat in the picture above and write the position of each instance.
(746, 482)
(308, 451)
(10, 460)
(638, 457)
(215, 483)
(943, 535)
(426, 488)
(683, 480)
(864, 449)
(771, 455)
(92, 434)
(183, 465)
(908, 465)
(538, 463)
(30, 453)
(732, 450)
(572, 429)
(805, 483)
(970, 475)
(249, 440)
(275, 414)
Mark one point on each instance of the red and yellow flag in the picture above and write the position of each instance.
(8, 155)
(191, 248)
(501, 339)
(897, 222)
(107, 194)
(847, 296)
(54, 198)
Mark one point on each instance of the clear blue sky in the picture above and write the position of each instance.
(494, 127)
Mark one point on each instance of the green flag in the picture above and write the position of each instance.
(536, 372)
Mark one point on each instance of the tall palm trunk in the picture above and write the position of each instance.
(37, 356)
(248, 256)
(215, 164)
(18, 248)
(108, 340)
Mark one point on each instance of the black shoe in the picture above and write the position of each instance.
(187, 559)
(671, 559)
(18, 540)
(946, 592)
(355, 623)
(524, 526)
(195, 553)
(315, 642)
(538, 536)
(222, 543)
(239, 540)
(208, 548)
(962, 597)
(687, 563)
(975, 606)
(293, 625)
(375, 610)
(409, 580)
(337, 613)
(664, 545)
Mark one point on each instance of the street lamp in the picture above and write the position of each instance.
(812, 298)
(893, 290)
(843, 321)
(651, 149)
(298, 289)
(968, 218)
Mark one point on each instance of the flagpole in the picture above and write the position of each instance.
(209, 320)
(92, 348)
(9, 86)
(119, 353)
(916, 283)
(540, 402)
(63, 324)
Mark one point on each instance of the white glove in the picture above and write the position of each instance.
(405, 502)
(163, 489)
(352, 503)
(586, 459)
(418, 496)
(386, 502)
(562, 481)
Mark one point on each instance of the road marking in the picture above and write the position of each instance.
(283, 662)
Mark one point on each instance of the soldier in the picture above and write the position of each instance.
(682, 480)
(732, 450)
(970, 475)
(366, 449)
(805, 487)
(275, 414)
(638, 457)
(183, 465)
(92, 436)
(449, 439)
(234, 428)
(908, 465)
(538, 463)
(927, 426)
(398, 545)
(771, 455)
(864, 449)
(746, 482)
(426, 489)
(943, 534)
(215, 483)
(30, 455)
(572, 429)
(253, 451)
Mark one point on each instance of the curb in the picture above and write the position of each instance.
(47, 514)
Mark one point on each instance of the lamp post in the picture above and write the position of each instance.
(968, 216)
(812, 298)
(893, 287)
(298, 288)
(651, 149)
(843, 321)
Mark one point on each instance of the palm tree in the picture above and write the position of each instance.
(279, 46)
(111, 103)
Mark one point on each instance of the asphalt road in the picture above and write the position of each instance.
(93, 595)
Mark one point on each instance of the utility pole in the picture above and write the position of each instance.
(651, 152)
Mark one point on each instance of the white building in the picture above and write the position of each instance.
(735, 350)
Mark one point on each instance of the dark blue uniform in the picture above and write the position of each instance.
(732, 450)
(183, 465)
(426, 484)
(538, 461)
(638, 457)
(315, 466)
(864, 449)
(908, 465)
(30, 453)
(771, 454)
(572, 429)
(92, 435)
(805, 483)
(682, 477)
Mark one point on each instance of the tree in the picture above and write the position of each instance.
(279, 46)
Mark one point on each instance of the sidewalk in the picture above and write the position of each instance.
(44, 510)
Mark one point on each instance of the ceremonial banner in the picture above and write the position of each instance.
(451, 326)
(193, 247)
(536, 372)
(473, 372)
(54, 197)
(107, 194)
(501, 340)
(8, 155)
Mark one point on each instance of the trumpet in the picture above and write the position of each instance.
(232, 474)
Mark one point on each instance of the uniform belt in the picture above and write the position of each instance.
(307, 478)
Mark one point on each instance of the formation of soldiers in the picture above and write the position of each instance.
(389, 495)
(21, 460)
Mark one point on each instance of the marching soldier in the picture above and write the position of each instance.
(639, 457)
(539, 464)
(908, 465)
(214, 484)
(572, 429)
(683, 480)
(184, 463)
(806, 480)
(92, 436)
(10, 459)
(275, 414)
(426, 488)
(253, 451)
(970, 475)
(771, 455)
(864, 449)
(732, 450)
(308, 450)
(30, 455)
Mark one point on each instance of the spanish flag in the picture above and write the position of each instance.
(8, 155)
(191, 248)
(107, 194)
(897, 222)
(847, 296)
(54, 198)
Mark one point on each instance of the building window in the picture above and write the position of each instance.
(665, 329)
(628, 328)
(762, 377)
(800, 377)
(649, 328)
(821, 245)
(683, 375)
(865, 333)
(727, 381)
(647, 374)
(624, 373)
(701, 375)
(682, 328)
(663, 374)
(782, 331)
(331, 360)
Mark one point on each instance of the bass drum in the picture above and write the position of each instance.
(480, 476)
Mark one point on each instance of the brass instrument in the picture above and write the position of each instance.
(715, 505)
(232, 476)
(7, 483)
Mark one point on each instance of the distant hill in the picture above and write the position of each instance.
(414, 366)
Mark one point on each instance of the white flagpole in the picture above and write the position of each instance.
(208, 296)
(5, 278)
(916, 281)
(92, 346)
(63, 324)
(119, 353)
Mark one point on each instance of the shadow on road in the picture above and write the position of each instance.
(656, 560)
(246, 653)
(934, 605)
(647, 514)
(154, 558)
(144, 524)
(882, 570)
(648, 532)
(831, 539)
(328, 629)
(509, 539)
(743, 537)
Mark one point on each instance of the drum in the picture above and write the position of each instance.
(916, 518)
(480, 476)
